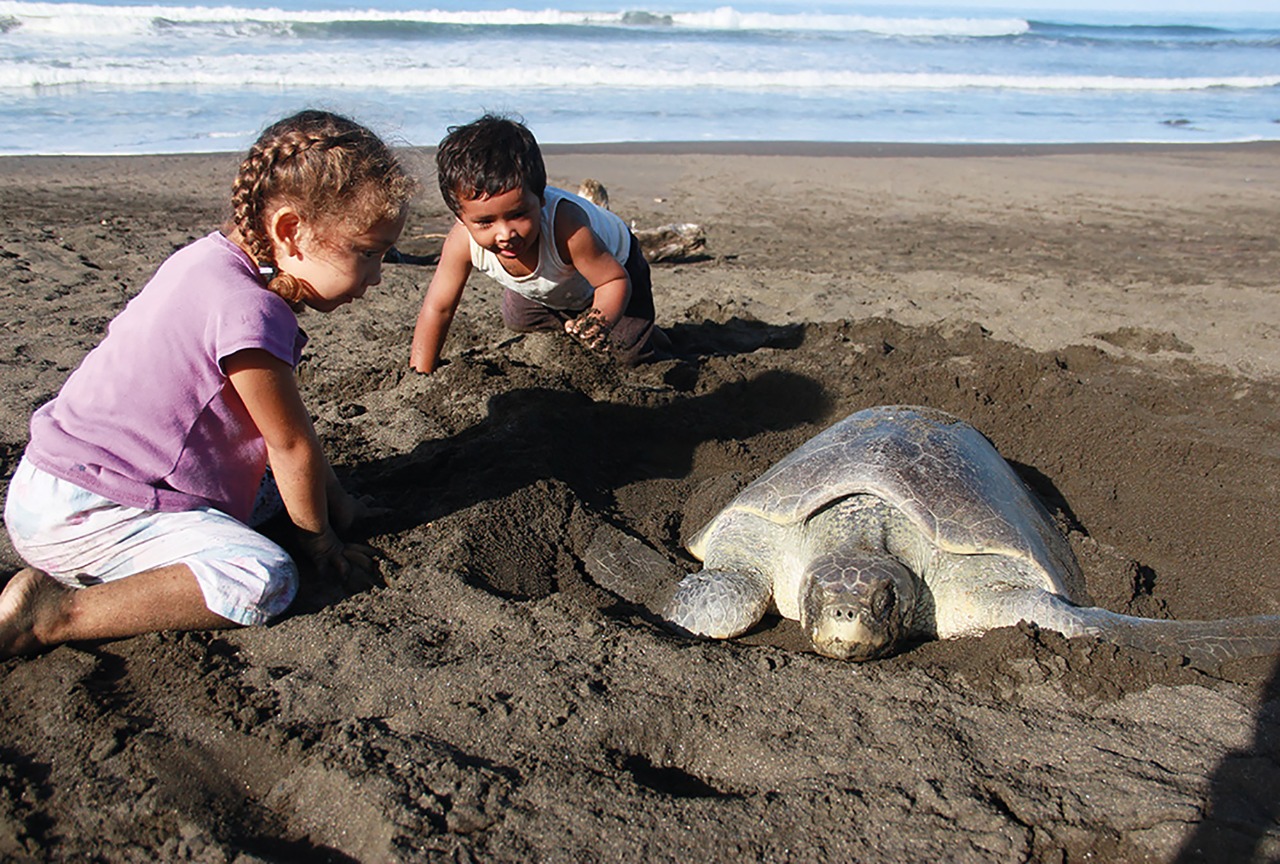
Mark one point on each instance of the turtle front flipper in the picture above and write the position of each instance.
(719, 604)
(628, 567)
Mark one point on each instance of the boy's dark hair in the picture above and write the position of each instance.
(487, 157)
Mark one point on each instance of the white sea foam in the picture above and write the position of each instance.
(69, 19)
(728, 18)
(320, 70)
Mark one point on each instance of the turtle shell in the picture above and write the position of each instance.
(938, 470)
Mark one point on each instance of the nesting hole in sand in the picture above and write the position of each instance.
(514, 551)
(520, 569)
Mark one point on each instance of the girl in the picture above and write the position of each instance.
(133, 500)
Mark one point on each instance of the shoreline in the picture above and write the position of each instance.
(850, 149)
(864, 149)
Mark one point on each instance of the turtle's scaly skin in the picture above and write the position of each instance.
(903, 523)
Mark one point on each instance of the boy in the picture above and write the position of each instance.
(565, 264)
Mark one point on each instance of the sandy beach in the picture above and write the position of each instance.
(1108, 316)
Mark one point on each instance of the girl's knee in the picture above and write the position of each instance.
(248, 591)
(281, 588)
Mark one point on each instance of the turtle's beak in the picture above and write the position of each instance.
(847, 632)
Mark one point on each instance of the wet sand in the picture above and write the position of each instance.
(1106, 315)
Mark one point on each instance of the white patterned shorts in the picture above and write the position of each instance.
(82, 539)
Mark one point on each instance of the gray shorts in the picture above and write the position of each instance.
(633, 340)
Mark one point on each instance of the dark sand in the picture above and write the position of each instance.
(1109, 317)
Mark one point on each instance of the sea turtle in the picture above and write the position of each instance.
(900, 524)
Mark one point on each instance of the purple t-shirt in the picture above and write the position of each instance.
(150, 419)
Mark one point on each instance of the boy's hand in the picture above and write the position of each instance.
(590, 328)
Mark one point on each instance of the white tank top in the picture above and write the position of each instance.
(554, 283)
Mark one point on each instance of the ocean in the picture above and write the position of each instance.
(116, 78)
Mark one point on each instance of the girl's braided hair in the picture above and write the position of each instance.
(329, 169)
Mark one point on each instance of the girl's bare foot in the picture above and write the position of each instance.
(27, 601)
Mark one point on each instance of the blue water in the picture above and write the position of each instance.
(171, 77)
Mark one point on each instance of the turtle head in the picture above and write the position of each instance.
(857, 607)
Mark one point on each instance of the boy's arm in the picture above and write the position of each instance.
(267, 387)
(441, 301)
(580, 248)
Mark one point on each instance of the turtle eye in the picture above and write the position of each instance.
(882, 602)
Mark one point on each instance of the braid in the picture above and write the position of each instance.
(328, 168)
(247, 199)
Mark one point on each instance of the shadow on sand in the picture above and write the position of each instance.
(593, 447)
(1243, 809)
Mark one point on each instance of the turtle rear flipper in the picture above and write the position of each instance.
(1205, 644)
(720, 604)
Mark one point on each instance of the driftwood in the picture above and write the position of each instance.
(672, 242)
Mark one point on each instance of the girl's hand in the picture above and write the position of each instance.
(352, 563)
(590, 328)
(346, 509)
